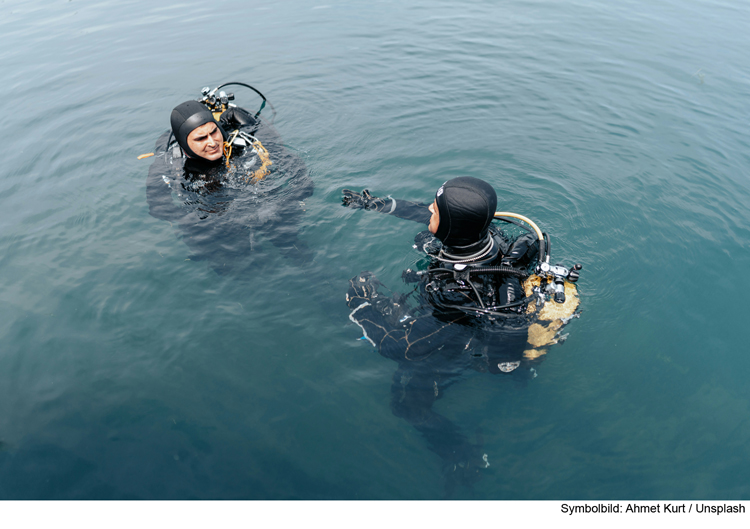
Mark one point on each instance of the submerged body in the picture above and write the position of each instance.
(223, 211)
(447, 326)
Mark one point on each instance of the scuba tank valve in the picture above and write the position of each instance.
(557, 275)
(219, 104)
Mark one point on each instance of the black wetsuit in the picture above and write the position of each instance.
(219, 212)
(435, 344)
(414, 333)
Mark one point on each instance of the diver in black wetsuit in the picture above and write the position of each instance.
(463, 318)
(231, 177)
(461, 239)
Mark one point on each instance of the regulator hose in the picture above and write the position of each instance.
(509, 270)
(499, 270)
(490, 311)
(254, 90)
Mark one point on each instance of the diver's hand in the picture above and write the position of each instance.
(464, 467)
(410, 276)
(236, 117)
(352, 199)
(364, 200)
(362, 289)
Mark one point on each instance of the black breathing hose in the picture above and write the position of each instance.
(488, 270)
(254, 90)
(487, 310)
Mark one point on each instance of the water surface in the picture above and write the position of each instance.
(129, 371)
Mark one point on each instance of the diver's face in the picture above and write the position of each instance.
(435, 219)
(207, 142)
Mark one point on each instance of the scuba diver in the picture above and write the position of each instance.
(483, 300)
(231, 176)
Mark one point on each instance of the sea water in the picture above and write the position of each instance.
(130, 370)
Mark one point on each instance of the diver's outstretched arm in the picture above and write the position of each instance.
(399, 331)
(402, 209)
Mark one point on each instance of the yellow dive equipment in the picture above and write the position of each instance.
(555, 282)
(258, 149)
(228, 143)
(265, 161)
(550, 319)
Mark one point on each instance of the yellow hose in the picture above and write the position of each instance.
(527, 220)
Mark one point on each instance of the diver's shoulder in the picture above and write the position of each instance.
(264, 131)
(163, 141)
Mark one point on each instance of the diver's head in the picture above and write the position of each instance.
(197, 132)
(463, 211)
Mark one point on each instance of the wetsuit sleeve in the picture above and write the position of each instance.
(402, 209)
(398, 331)
(158, 190)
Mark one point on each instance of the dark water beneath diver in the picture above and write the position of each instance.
(129, 370)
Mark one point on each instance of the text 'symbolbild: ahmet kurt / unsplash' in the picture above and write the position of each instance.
(653, 508)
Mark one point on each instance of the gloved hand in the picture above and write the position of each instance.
(362, 289)
(410, 276)
(236, 117)
(426, 242)
(464, 468)
(364, 200)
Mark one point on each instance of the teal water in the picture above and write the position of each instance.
(129, 371)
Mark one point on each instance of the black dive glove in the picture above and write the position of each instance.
(236, 117)
(364, 200)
